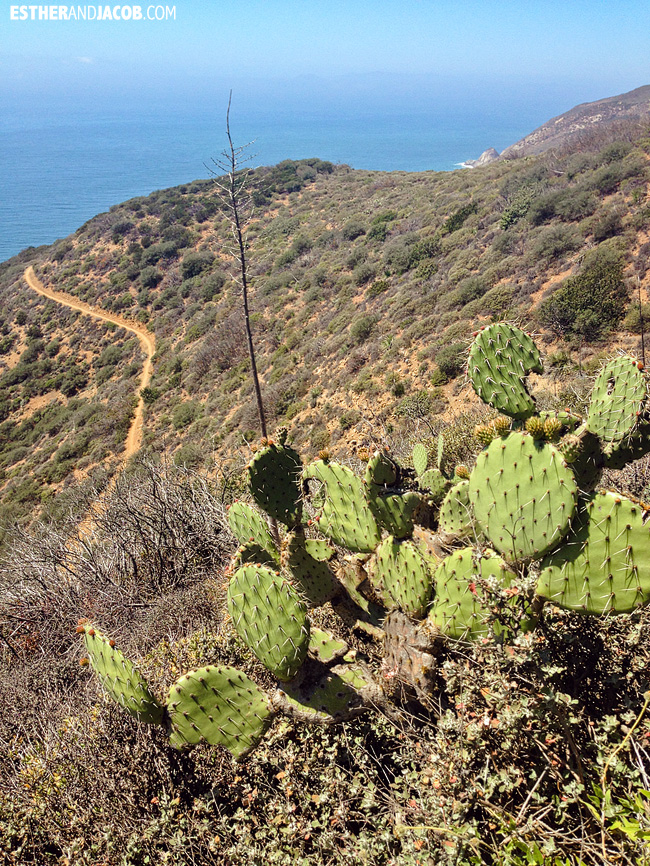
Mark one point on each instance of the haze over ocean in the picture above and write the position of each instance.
(100, 108)
(61, 164)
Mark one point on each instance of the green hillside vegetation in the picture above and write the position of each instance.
(366, 289)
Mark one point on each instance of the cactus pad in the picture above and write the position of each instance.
(319, 549)
(604, 565)
(395, 512)
(248, 526)
(274, 482)
(500, 358)
(523, 495)
(312, 577)
(252, 552)
(400, 573)
(582, 450)
(434, 484)
(617, 400)
(270, 617)
(345, 517)
(121, 679)
(381, 470)
(420, 458)
(637, 446)
(332, 697)
(459, 609)
(325, 647)
(220, 706)
(455, 516)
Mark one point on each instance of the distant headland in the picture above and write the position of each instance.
(568, 128)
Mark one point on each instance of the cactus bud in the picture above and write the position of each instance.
(484, 433)
(552, 429)
(535, 426)
(570, 446)
(501, 425)
(84, 662)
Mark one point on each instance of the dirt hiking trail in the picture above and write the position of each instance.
(147, 341)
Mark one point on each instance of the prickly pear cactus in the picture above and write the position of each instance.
(392, 557)
(459, 610)
(604, 567)
(499, 361)
(434, 485)
(455, 517)
(617, 400)
(252, 552)
(333, 696)
(346, 516)
(248, 526)
(311, 575)
(270, 617)
(274, 482)
(523, 496)
(381, 470)
(401, 575)
(219, 706)
(420, 459)
(120, 678)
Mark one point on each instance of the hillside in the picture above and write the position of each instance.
(569, 128)
(366, 287)
(521, 741)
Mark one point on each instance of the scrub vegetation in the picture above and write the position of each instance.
(365, 289)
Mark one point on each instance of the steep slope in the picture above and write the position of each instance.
(365, 288)
(568, 128)
(147, 341)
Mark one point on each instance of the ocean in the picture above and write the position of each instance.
(62, 162)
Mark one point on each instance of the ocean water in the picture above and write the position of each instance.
(61, 163)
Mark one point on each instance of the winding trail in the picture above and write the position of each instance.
(147, 341)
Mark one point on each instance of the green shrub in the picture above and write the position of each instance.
(608, 225)
(451, 359)
(349, 419)
(352, 230)
(363, 274)
(194, 264)
(589, 304)
(121, 229)
(362, 327)
(408, 251)
(184, 414)
(189, 455)
(518, 206)
(632, 321)
(150, 277)
(554, 241)
(377, 288)
(456, 220)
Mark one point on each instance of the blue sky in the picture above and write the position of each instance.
(588, 49)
